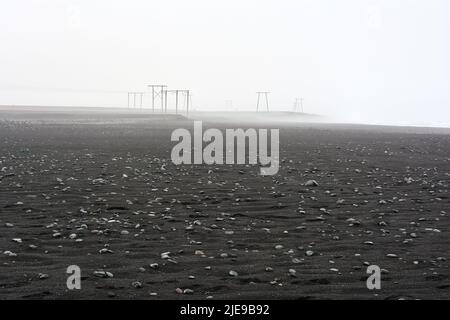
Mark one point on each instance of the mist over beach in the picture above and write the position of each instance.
(371, 61)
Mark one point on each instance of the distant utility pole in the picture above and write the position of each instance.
(191, 105)
(188, 99)
(262, 93)
(298, 105)
(178, 93)
(135, 96)
(158, 91)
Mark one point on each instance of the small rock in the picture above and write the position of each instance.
(309, 253)
(233, 273)
(105, 250)
(311, 183)
(10, 254)
(188, 291)
(165, 255)
(42, 276)
(103, 274)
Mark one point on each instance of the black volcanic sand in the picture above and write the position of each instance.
(106, 197)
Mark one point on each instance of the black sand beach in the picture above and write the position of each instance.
(99, 191)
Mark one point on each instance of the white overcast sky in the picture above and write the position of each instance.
(366, 60)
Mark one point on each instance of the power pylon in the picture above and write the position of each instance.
(178, 93)
(298, 105)
(188, 100)
(158, 91)
(135, 96)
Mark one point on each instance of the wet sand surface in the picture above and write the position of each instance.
(103, 195)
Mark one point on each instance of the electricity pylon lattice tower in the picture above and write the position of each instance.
(157, 91)
(135, 96)
(178, 95)
(298, 105)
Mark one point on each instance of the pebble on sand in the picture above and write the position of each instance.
(165, 255)
(103, 274)
(233, 273)
(42, 276)
(10, 254)
(311, 183)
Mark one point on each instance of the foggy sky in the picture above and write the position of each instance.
(362, 60)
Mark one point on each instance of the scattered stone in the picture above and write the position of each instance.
(103, 274)
(165, 255)
(105, 250)
(10, 254)
(233, 273)
(311, 183)
(188, 291)
(309, 253)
